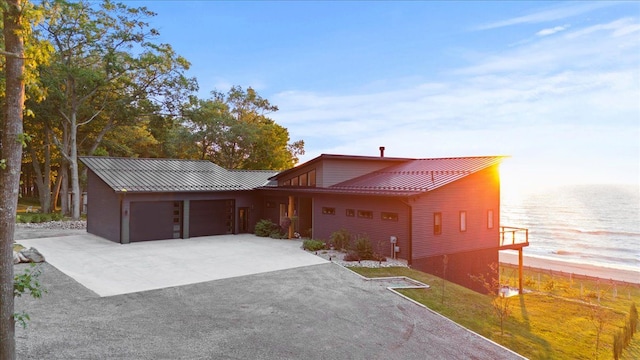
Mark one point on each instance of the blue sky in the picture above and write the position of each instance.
(555, 85)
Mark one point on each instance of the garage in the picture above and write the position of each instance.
(152, 221)
(211, 217)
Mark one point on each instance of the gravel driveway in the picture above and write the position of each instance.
(314, 312)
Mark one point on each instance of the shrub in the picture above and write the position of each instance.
(313, 245)
(277, 234)
(351, 256)
(265, 227)
(363, 247)
(35, 218)
(341, 239)
(45, 218)
(57, 216)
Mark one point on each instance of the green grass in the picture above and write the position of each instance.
(542, 325)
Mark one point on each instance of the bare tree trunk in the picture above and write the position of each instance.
(43, 173)
(12, 132)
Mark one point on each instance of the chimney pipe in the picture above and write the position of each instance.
(381, 151)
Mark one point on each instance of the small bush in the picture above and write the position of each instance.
(351, 256)
(57, 216)
(277, 234)
(363, 247)
(265, 227)
(35, 218)
(45, 218)
(313, 245)
(341, 239)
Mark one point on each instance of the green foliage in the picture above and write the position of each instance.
(313, 245)
(622, 338)
(542, 325)
(233, 130)
(363, 248)
(27, 283)
(341, 239)
(265, 227)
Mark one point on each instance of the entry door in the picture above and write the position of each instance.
(243, 218)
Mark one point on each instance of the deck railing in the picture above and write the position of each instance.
(513, 237)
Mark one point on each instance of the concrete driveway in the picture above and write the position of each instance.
(108, 268)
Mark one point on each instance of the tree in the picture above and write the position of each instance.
(500, 302)
(233, 131)
(103, 69)
(11, 155)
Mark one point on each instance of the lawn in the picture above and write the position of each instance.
(556, 322)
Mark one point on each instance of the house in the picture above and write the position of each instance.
(133, 199)
(438, 214)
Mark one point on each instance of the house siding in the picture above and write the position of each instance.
(103, 209)
(379, 231)
(475, 194)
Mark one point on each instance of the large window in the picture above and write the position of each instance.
(365, 214)
(312, 178)
(303, 180)
(437, 223)
(463, 221)
(489, 219)
(294, 181)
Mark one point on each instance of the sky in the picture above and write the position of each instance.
(553, 85)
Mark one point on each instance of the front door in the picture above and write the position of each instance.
(243, 219)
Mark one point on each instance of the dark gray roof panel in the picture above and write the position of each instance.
(172, 175)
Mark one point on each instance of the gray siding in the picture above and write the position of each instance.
(378, 230)
(474, 194)
(103, 209)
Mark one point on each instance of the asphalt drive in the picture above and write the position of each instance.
(315, 312)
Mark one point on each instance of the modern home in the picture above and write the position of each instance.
(438, 213)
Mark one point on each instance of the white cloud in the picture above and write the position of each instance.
(565, 107)
(553, 14)
(551, 31)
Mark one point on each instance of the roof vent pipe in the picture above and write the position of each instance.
(381, 151)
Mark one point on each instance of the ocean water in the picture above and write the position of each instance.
(591, 224)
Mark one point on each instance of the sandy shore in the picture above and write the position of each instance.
(573, 268)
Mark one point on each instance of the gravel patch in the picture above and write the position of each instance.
(338, 258)
(54, 225)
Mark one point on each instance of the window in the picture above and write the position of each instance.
(294, 181)
(312, 178)
(329, 211)
(351, 212)
(489, 219)
(303, 179)
(365, 214)
(286, 183)
(463, 221)
(389, 216)
(437, 223)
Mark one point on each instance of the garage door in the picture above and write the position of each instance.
(211, 217)
(151, 220)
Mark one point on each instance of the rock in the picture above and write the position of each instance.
(16, 257)
(32, 255)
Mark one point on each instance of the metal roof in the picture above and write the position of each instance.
(418, 175)
(172, 175)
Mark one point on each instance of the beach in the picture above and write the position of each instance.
(601, 272)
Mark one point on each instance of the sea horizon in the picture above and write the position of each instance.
(591, 224)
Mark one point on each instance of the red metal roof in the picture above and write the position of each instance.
(419, 175)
